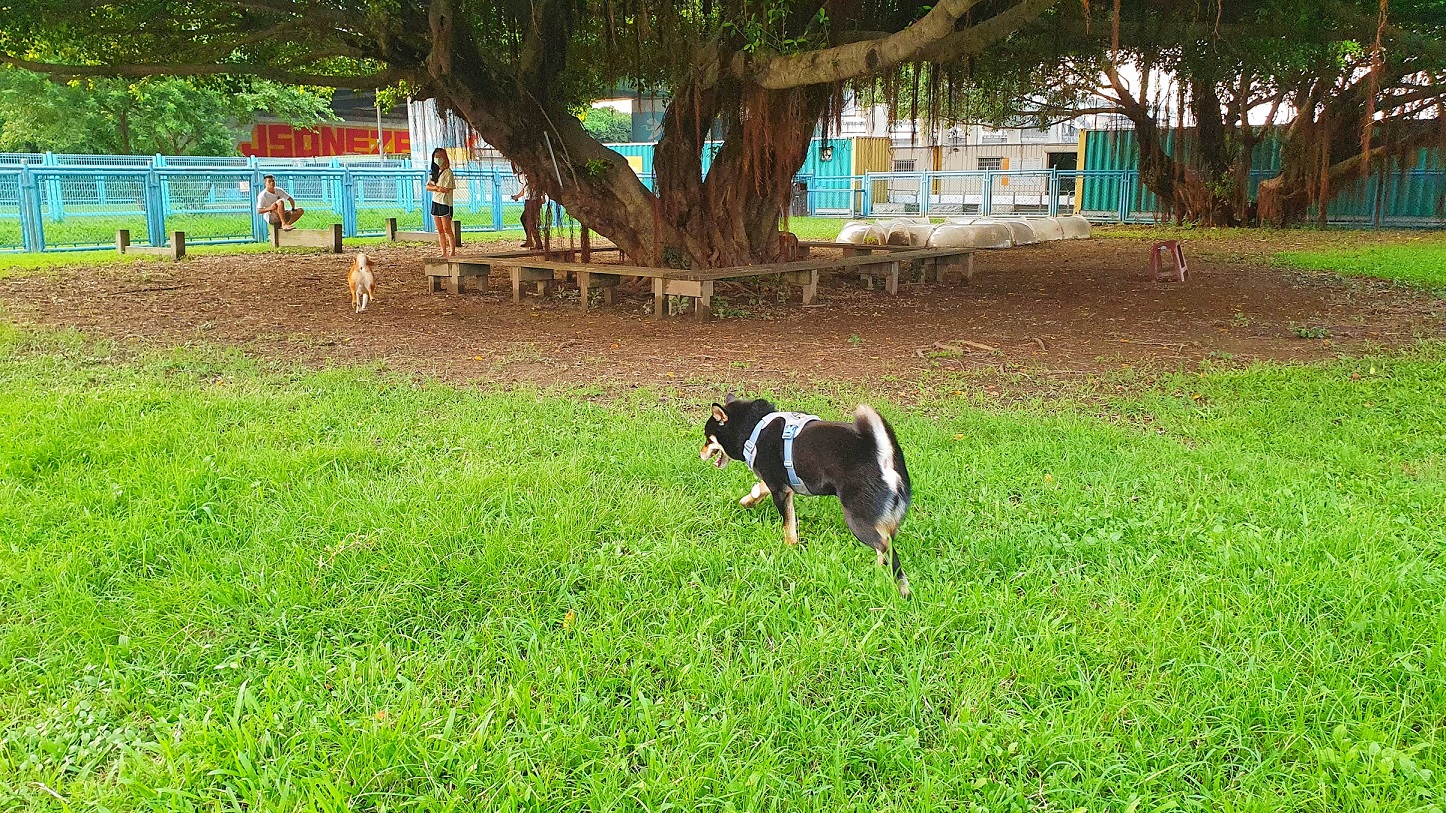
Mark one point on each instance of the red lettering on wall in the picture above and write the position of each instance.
(285, 141)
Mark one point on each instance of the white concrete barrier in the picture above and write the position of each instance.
(972, 235)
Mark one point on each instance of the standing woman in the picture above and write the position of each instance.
(441, 186)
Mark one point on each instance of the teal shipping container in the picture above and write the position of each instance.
(1414, 195)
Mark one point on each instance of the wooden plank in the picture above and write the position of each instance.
(328, 238)
(396, 236)
(176, 250)
(683, 287)
(527, 273)
(587, 280)
(854, 246)
(456, 272)
(739, 272)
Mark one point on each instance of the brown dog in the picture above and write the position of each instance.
(362, 282)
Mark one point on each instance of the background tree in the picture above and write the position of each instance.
(1329, 80)
(608, 125)
(765, 72)
(144, 116)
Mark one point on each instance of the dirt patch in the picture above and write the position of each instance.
(1039, 313)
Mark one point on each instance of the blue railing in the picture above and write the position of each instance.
(58, 203)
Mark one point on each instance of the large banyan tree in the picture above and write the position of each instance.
(762, 73)
(1342, 88)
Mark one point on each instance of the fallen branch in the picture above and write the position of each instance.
(952, 347)
(149, 290)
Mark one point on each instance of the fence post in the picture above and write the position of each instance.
(155, 209)
(32, 228)
(926, 192)
(1054, 192)
(496, 200)
(260, 229)
(53, 193)
(347, 184)
(165, 190)
(986, 195)
(1125, 184)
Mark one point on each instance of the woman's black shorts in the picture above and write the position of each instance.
(441, 209)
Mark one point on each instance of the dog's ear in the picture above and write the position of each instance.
(719, 415)
(729, 398)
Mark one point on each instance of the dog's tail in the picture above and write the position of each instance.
(870, 424)
(895, 475)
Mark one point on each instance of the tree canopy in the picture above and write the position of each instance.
(151, 115)
(1340, 86)
(1362, 80)
(764, 72)
(608, 125)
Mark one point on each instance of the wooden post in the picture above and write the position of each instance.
(336, 238)
(392, 229)
(122, 240)
(659, 301)
(702, 304)
(893, 287)
(178, 245)
(586, 245)
(275, 236)
(456, 234)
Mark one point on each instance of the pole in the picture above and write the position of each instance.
(381, 152)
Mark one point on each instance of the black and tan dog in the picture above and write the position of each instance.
(860, 462)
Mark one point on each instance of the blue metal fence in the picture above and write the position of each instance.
(57, 203)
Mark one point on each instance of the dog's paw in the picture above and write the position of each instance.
(904, 590)
(755, 496)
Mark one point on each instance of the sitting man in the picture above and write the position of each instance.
(271, 204)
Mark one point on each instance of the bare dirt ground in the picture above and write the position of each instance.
(1034, 318)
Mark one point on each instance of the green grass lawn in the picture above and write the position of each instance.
(230, 587)
(1418, 260)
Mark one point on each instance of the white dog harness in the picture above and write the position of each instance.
(794, 423)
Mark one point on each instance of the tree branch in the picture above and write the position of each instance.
(271, 72)
(858, 58)
(973, 40)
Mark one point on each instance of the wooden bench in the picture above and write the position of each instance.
(942, 260)
(421, 236)
(328, 238)
(698, 285)
(455, 271)
(175, 251)
(695, 285)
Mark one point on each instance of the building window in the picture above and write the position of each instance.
(991, 163)
(903, 165)
(1032, 134)
(988, 136)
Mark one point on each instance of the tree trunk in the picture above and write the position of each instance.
(731, 218)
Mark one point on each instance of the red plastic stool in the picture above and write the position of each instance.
(1172, 246)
